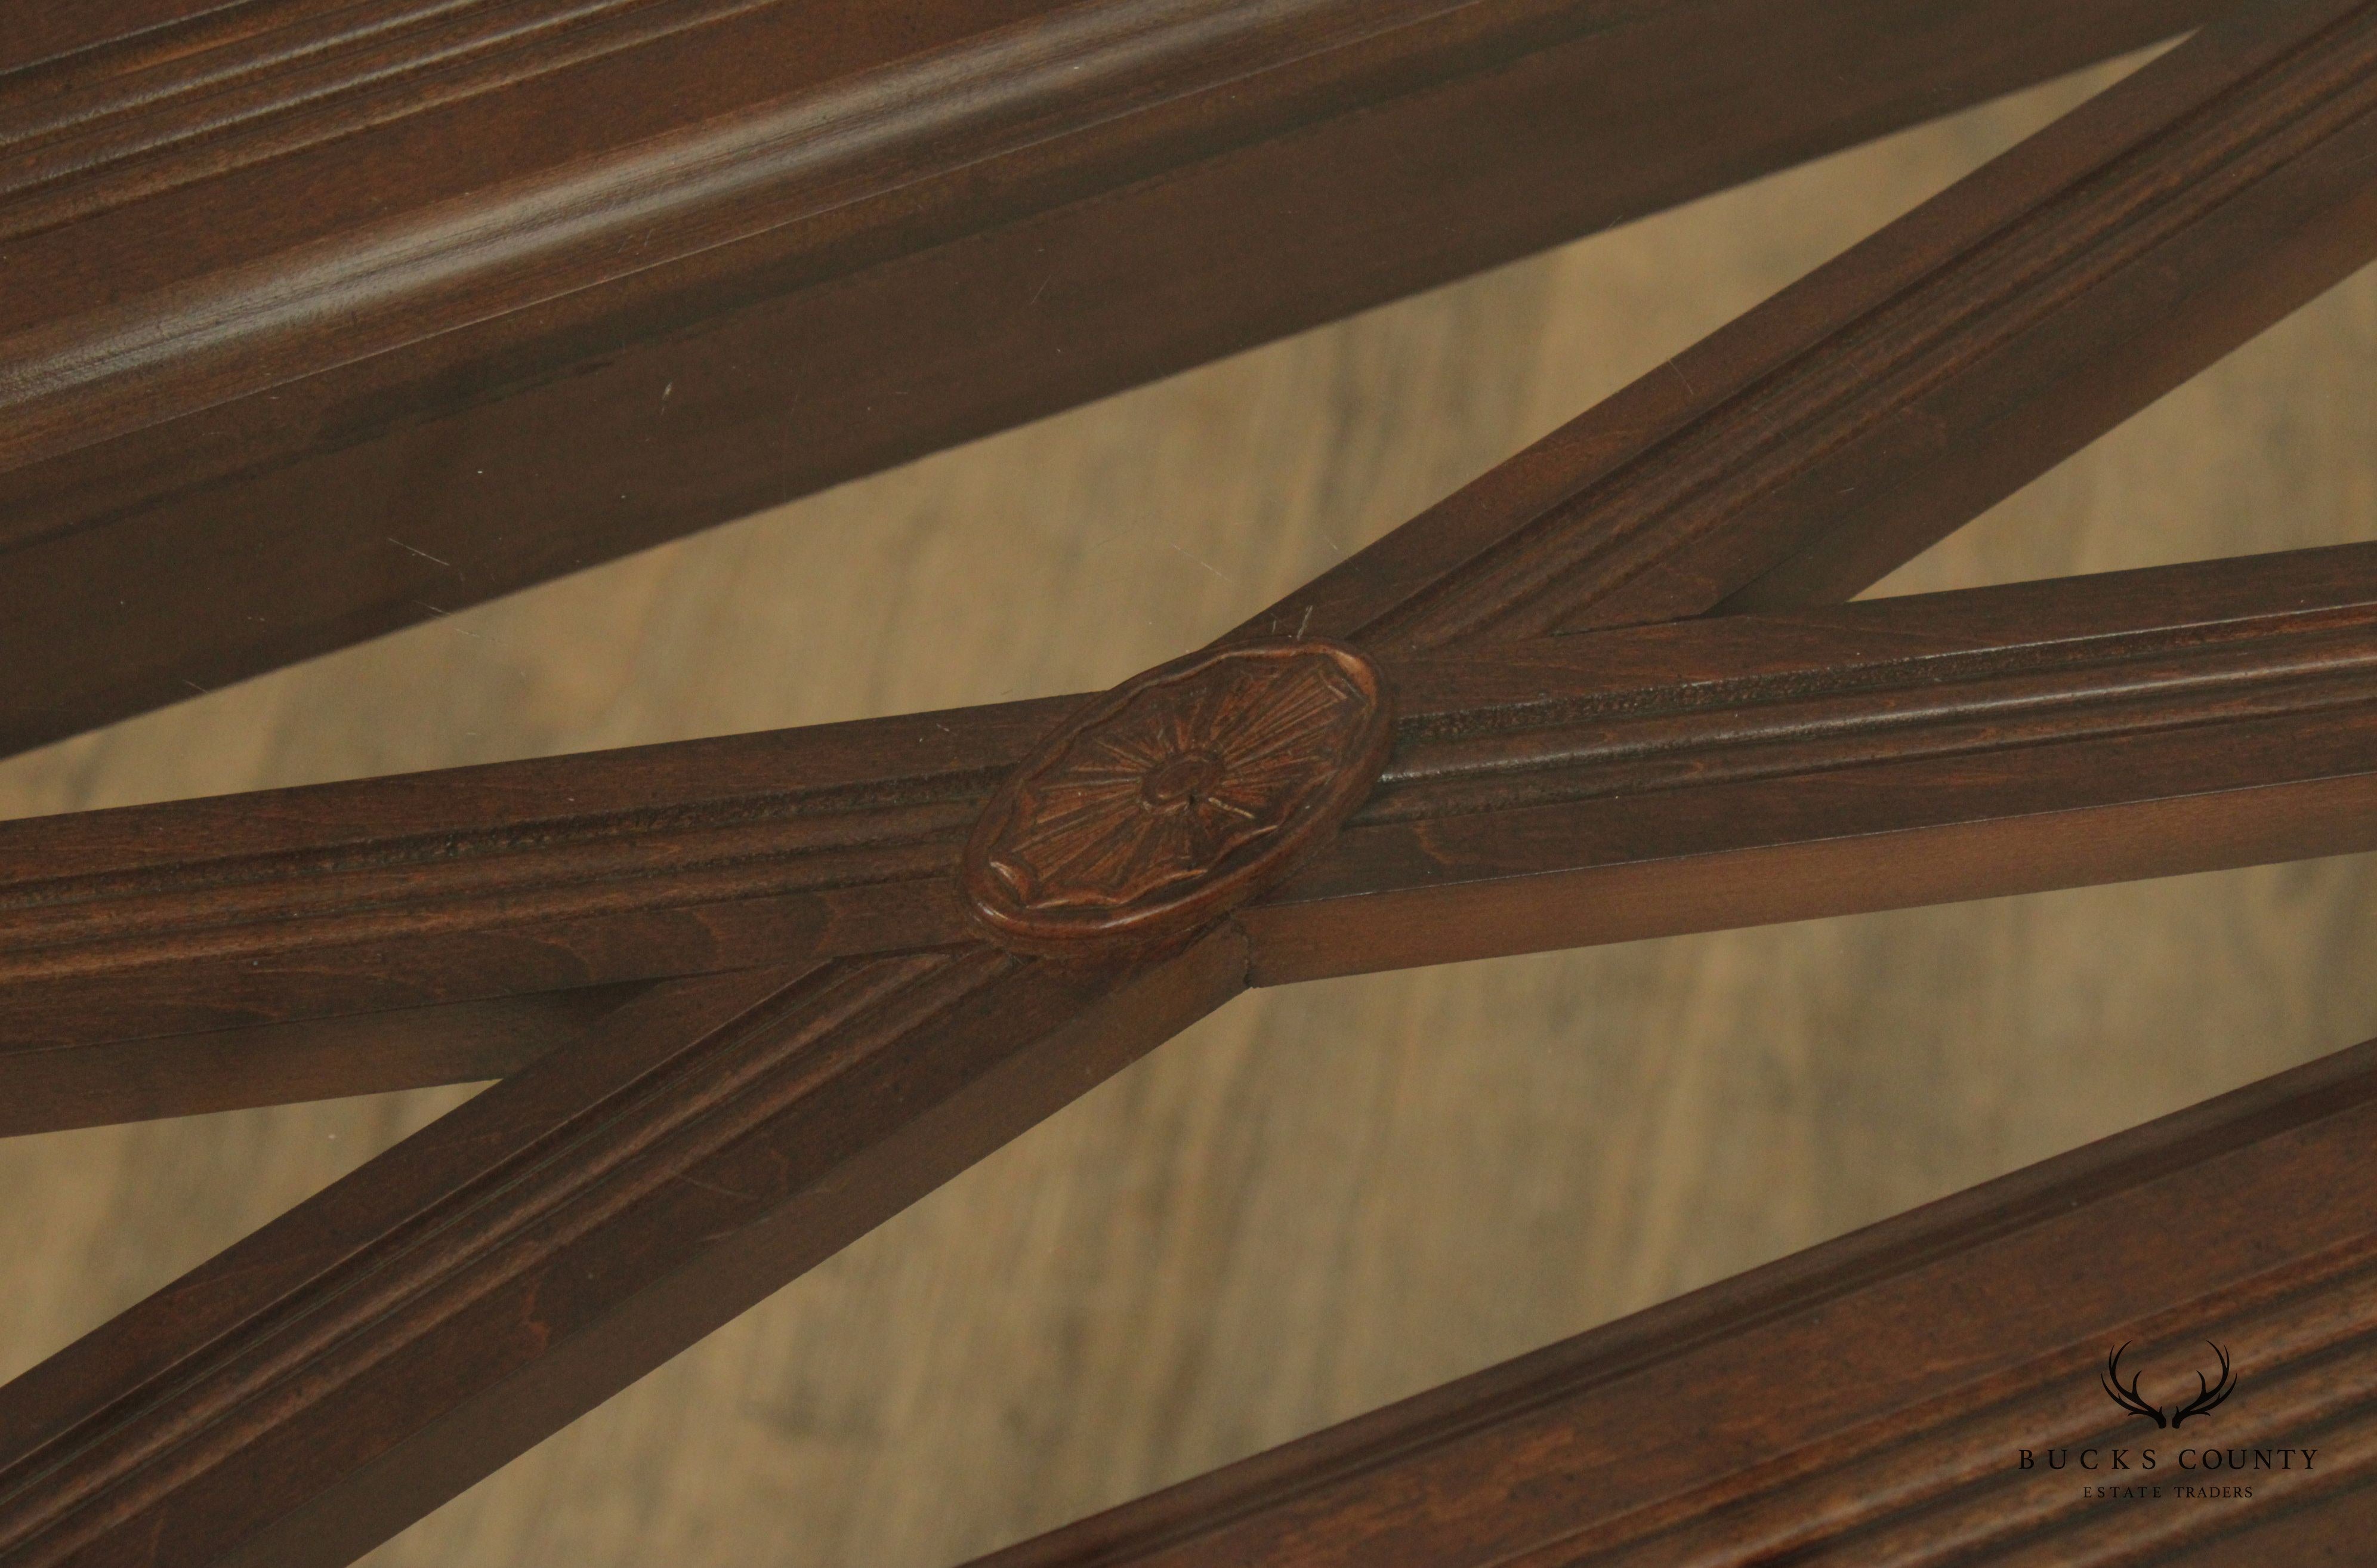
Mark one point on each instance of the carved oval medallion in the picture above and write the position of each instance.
(1176, 795)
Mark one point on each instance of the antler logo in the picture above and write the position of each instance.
(2207, 1395)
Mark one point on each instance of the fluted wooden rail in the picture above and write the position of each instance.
(269, 270)
(1873, 1399)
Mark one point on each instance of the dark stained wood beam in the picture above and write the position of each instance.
(319, 1386)
(107, 1081)
(1805, 450)
(1599, 787)
(315, 315)
(518, 878)
(1736, 771)
(1869, 1401)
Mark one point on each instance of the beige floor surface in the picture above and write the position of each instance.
(1323, 1198)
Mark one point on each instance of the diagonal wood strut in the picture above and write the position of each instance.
(1801, 452)
(320, 1384)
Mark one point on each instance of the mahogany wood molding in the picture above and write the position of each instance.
(1717, 773)
(784, 1021)
(1805, 450)
(313, 315)
(1868, 1401)
(1602, 787)
(325, 1382)
(505, 880)
(306, 1058)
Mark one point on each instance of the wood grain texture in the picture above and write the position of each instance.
(99, 1083)
(1819, 441)
(311, 1414)
(311, 1392)
(506, 881)
(1558, 791)
(1486, 1155)
(312, 1442)
(385, 320)
(1872, 1401)
(1648, 780)
(331, 1410)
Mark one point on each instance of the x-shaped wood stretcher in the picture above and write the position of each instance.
(749, 996)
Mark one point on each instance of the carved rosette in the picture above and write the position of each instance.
(1176, 795)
